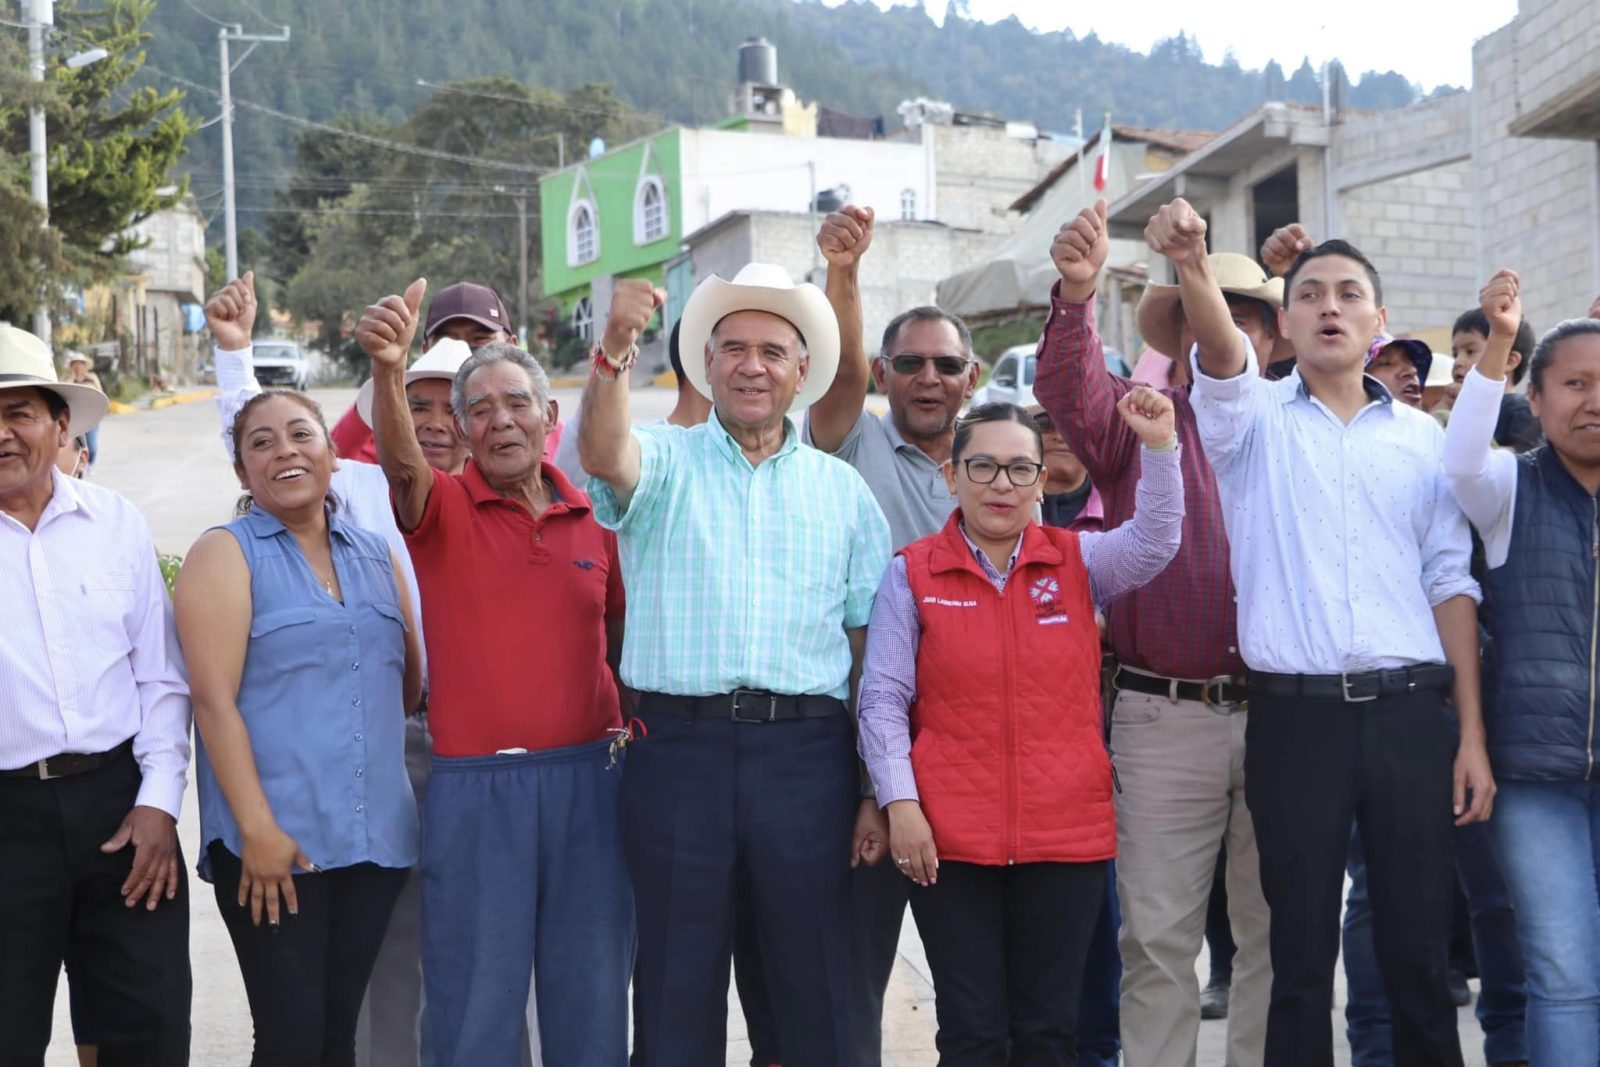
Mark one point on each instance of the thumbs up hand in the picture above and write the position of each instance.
(387, 328)
(1080, 250)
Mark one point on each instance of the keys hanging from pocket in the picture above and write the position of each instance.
(622, 736)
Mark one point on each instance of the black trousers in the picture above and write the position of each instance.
(305, 979)
(1311, 766)
(710, 806)
(1007, 946)
(58, 894)
(878, 898)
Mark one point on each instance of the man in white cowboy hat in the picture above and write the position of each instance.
(94, 741)
(751, 562)
(1178, 715)
(391, 1027)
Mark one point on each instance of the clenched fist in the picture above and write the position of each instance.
(1501, 301)
(633, 305)
(387, 327)
(231, 313)
(1149, 414)
(1080, 250)
(1280, 250)
(1178, 232)
(845, 235)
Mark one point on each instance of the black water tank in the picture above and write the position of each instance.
(758, 62)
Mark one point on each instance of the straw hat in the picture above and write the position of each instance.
(1160, 313)
(25, 363)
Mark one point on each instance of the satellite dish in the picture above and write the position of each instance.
(597, 148)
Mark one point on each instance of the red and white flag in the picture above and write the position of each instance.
(1102, 161)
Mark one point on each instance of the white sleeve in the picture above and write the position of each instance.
(1226, 409)
(1483, 478)
(236, 383)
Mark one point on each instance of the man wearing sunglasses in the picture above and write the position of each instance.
(926, 370)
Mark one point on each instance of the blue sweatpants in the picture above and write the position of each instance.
(522, 873)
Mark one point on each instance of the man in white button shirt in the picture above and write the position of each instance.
(94, 741)
(1357, 618)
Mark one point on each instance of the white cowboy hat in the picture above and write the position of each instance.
(25, 363)
(1160, 312)
(762, 287)
(442, 359)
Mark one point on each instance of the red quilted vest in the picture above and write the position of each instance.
(1006, 736)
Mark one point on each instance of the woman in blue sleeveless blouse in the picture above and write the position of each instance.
(303, 665)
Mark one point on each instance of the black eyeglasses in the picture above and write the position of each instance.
(983, 471)
(946, 366)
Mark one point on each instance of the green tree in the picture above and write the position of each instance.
(111, 151)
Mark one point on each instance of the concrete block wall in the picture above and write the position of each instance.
(1539, 199)
(1557, 46)
(980, 171)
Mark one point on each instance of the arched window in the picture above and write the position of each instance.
(583, 319)
(908, 205)
(583, 235)
(650, 211)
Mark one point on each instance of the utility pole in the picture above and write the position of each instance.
(520, 198)
(230, 216)
(39, 14)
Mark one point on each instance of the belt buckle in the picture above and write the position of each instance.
(772, 705)
(1344, 687)
(1218, 704)
(44, 771)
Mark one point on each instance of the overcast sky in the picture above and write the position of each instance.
(1429, 43)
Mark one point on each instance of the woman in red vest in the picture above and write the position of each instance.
(981, 728)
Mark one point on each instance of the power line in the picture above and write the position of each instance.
(209, 18)
(367, 138)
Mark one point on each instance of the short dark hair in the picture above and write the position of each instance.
(995, 411)
(1335, 247)
(1545, 351)
(1475, 321)
(926, 313)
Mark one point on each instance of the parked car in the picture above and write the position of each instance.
(1011, 380)
(281, 364)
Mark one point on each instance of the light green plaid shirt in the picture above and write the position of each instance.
(742, 577)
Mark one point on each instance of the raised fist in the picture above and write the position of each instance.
(1178, 232)
(845, 235)
(1149, 414)
(1080, 250)
(633, 305)
(387, 327)
(1501, 301)
(231, 313)
(1280, 250)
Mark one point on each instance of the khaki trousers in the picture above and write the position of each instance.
(1181, 768)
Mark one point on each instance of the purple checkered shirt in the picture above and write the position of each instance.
(1184, 623)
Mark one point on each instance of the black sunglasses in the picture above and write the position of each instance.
(946, 366)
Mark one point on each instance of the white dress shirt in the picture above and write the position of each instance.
(1343, 538)
(89, 656)
(362, 489)
(1484, 478)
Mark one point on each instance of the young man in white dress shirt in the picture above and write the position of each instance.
(94, 742)
(1357, 618)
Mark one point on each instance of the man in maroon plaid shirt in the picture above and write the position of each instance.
(1178, 722)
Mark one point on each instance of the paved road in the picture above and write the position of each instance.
(170, 463)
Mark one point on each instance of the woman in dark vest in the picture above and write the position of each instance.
(1539, 516)
(981, 727)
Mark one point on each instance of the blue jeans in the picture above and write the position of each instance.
(522, 872)
(1548, 834)
(1099, 1020)
(1494, 936)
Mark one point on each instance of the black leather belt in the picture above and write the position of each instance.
(68, 764)
(1354, 688)
(1224, 692)
(744, 705)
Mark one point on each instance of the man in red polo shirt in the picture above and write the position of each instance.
(522, 869)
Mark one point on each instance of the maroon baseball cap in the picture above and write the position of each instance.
(464, 300)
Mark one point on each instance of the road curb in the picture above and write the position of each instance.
(194, 396)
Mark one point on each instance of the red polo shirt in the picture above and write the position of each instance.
(514, 610)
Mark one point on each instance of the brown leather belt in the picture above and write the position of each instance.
(68, 764)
